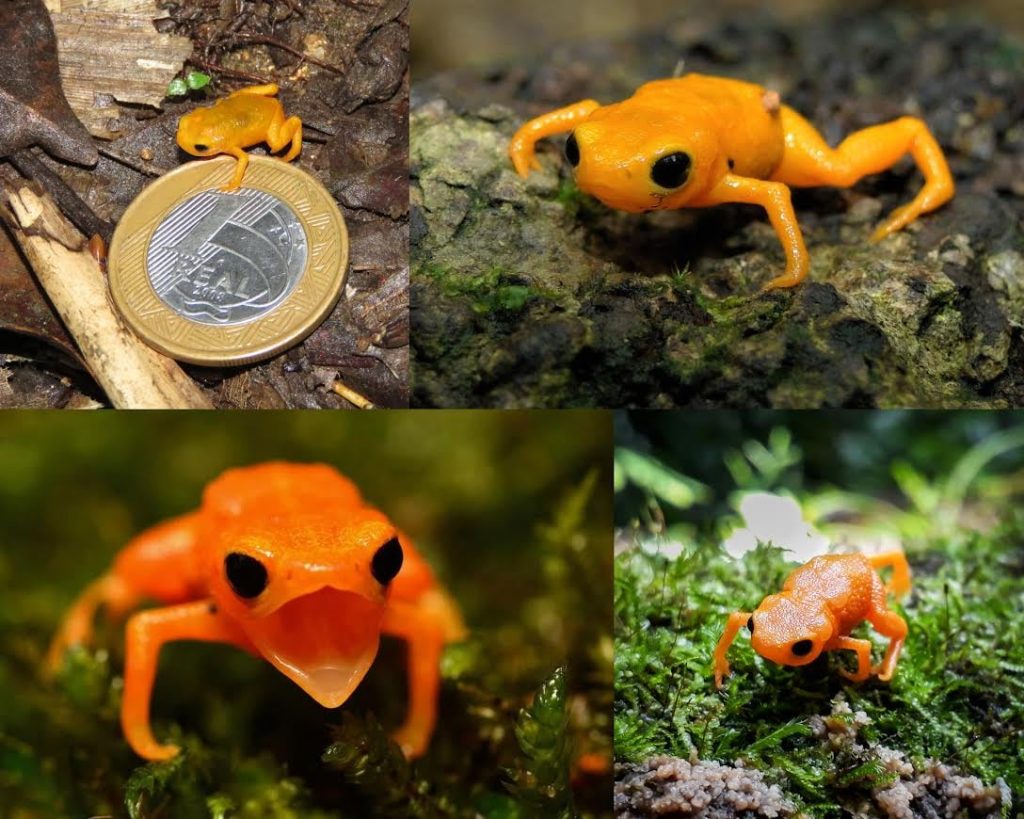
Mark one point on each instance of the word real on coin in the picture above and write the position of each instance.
(214, 277)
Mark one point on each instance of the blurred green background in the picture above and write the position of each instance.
(851, 449)
(481, 494)
(456, 33)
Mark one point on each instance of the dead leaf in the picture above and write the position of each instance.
(33, 109)
(23, 307)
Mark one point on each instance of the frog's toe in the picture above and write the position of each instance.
(853, 676)
(898, 219)
(412, 740)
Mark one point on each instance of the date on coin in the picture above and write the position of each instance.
(214, 277)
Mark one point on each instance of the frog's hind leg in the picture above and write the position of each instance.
(110, 592)
(281, 133)
(269, 89)
(899, 585)
(808, 161)
(889, 624)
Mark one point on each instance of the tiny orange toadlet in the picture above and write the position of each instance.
(245, 118)
(287, 562)
(819, 605)
(697, 141)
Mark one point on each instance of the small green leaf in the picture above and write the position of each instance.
(196, 80)
(177, 87)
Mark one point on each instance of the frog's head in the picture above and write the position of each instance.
(201, 133)
(641, 160)
(309, 591)
(789, 631)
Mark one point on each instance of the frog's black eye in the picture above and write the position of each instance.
(572, 150)
(387, 561)
(801, 648)
(247, 576)
(750, 624)
(671, 171)
(199, 147)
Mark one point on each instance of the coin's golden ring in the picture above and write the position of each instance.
(302, 311)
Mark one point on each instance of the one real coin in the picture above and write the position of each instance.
(227, 278)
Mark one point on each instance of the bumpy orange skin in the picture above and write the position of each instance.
(318, 616)
(245, 118)
(820, 604)
(743, 145)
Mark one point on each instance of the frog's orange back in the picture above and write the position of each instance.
(747, 128)
(844, 583)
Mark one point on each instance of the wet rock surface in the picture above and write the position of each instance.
(355, 143)
(528, 293)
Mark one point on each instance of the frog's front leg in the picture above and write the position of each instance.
(774, 197)
(146, 634)
(862, 648)
(281, 132)
(240, 166)
(736, 621)
(808, 160)
(521, 149)
(424, 629)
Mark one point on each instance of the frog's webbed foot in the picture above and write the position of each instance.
(522, 148)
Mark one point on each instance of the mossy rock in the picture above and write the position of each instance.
(598, 308)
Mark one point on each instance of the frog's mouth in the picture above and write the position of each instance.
(325, 641)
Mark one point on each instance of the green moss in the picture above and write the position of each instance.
(570, 197)
(541, 782)
(957, 696)
(487, 292)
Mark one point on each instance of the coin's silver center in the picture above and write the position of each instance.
(226, 258)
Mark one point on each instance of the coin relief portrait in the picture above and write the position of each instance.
(226, 258)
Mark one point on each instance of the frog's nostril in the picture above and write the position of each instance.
(199, 147)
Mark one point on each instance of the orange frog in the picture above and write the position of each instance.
(287, 562)
(696, 141)
(820, 604)
(245, 118)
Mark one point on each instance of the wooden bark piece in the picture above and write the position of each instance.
(130, 373)
(109, 53)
